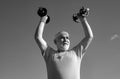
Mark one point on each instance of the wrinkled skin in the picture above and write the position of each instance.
(63, 43)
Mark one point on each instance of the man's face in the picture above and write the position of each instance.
(63, 42)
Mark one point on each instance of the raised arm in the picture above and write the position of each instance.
(88, 33)
(39, 34)
(85, 42)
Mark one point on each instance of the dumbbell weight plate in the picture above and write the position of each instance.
(42, 11)
(75, 18)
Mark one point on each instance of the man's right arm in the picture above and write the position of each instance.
(39, 35)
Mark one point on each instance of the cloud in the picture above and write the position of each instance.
(115, 36)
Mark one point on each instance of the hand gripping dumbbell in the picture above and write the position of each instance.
(82, 13)
(43, 12)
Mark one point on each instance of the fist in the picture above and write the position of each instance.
(45, 19)
(83, 12)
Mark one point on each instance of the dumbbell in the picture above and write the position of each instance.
(43, 12)
(76, 18)
(82, 12)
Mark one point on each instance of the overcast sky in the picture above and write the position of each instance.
(20, 57)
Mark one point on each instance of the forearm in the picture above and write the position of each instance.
(40, 28)
(39, 35)
(86, 27)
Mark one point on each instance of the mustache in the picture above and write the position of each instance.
(66, 42)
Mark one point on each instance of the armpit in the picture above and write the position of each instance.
(47, 53)
(79, 49)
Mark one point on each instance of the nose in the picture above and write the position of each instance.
(64, 40)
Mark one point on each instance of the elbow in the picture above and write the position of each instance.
(37, 37)
(90, 36)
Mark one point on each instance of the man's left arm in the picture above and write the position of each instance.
(88, 34)
(85, 42)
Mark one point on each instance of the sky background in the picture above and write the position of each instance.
(20, 57)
